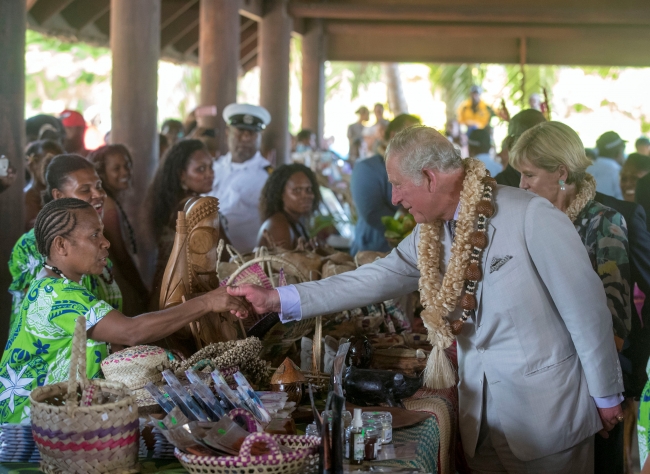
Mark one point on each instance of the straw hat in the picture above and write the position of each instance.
(135, 367)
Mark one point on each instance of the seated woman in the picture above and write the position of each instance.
(69, 236)
(113, 164)
(289, 198)
(39, 153)
(185, 172)
(65, 176)
(552, 162)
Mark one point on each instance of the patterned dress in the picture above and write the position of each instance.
(604, 234)
(26, 262)
(40, 342)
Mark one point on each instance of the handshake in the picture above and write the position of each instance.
(243, 300)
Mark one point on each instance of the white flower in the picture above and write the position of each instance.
(32, 264)
(14, 385)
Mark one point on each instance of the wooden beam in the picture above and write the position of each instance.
(172, 9)
(135, 44)
(13, 20)
(219, 59)
(274, 46)
(103, 23)
(82, 13)
(397, 30)
(248, 36)
(30, 4)
(248, 65)
(472, 13)
(253, 9)
(313, 79)
(188, 42)
(179, 27)
(46, 9)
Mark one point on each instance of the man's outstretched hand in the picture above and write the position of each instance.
(263, 300)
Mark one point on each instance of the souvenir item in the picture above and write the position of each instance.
(359, 353)
(288, 378)
(367, 387)
(66, 434)
(135, 367)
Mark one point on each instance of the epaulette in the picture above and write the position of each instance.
(268, 169)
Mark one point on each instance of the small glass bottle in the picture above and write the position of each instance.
(357, 439)
(386, 419)
(372, 441)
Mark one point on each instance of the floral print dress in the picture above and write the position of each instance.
(26, 262)
(40, 342)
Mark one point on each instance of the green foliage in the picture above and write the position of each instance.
(359, 74)
(522, 83)
(454, 81)
(50, 43)
(605, 72)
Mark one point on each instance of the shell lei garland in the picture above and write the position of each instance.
(441, 298)
(586, 193)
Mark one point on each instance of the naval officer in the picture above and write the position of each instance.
(239, 175)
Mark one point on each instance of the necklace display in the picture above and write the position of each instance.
(439, 298)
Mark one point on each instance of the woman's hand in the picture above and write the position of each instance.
(220, 301)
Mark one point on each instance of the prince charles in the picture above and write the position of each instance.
(506, 273)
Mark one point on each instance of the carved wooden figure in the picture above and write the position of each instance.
(192, 270)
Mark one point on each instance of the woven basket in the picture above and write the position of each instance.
(75, 438)
(303, 460)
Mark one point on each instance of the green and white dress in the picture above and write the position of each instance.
(40, 342)
(26, 262)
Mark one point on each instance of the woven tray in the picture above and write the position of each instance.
(303, 460)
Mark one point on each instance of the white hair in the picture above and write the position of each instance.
(421, 148)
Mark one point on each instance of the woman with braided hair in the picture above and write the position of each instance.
(68, 234)
(65, 176)
(113, 164)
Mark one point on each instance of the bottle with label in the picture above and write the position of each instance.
(357, 439)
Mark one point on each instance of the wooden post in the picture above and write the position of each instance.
(135, 43)
(12, 141)
(313, 79)
(219, 32)
(275, 41)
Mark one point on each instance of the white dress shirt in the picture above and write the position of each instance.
(238, 187)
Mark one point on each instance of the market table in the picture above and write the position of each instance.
(416, 447)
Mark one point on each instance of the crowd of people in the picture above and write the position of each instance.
(553, 345)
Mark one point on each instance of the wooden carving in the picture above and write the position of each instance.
(192, 270)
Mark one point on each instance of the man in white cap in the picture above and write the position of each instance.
(240, 174)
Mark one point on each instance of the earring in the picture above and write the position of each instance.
(562, 188)
(183, 187)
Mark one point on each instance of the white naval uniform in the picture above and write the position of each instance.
(238, 187)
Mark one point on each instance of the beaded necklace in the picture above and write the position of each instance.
(439, 298)
(56, 270)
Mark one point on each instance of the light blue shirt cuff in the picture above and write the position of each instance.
(609, 402)
(289, 304)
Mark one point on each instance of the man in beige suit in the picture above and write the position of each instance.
(539, 372)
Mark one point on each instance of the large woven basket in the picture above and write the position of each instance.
(82, 436)
(303, 460)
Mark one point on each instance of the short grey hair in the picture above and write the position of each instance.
(421, 148)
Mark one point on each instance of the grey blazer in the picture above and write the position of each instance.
(542, 337)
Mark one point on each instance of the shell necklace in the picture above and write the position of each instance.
(439, 298)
